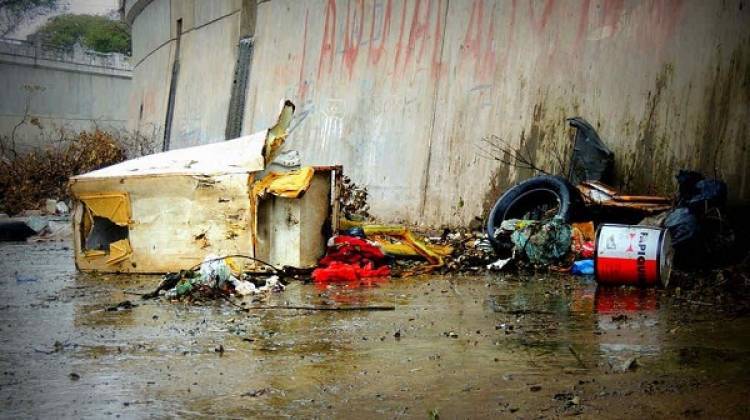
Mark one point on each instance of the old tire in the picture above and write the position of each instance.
(535, 195)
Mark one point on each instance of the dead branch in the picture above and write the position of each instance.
(495, 148)
(324, 308)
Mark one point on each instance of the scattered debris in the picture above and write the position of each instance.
(434, 414)
(323, 308)
(56, 348)
(167, 282)
(122, 306)
(605, 200)
(630, 364)
(701, 233)
(582, 268)
(255, 392)
(499, 264)
(217, 276)
(538, 198)
(398, 241)
(353, 200)
(577, 356)
(543, 243)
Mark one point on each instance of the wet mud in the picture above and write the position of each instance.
(489, 346)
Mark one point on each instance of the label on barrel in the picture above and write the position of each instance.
(627, 255)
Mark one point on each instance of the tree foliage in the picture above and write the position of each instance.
(98, 33)
(14, 12)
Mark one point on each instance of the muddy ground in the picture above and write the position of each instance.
(457, 346)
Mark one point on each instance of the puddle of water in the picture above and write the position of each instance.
(464, 345)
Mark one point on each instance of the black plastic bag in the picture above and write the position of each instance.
(698, 192)
(683, 226)
(591, 160)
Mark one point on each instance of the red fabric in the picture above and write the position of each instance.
(587, 249)
(349, 259)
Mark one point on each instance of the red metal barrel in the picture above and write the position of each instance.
(634, 255)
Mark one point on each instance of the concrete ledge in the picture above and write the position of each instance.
(66, 66)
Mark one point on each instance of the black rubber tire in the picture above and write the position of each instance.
(524, 195)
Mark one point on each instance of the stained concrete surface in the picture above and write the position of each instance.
(489, 346)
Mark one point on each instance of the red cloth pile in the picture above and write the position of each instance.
(350, 259)
(587, 249)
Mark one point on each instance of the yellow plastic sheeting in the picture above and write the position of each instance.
(285, 184)
(402, 249)
(119, 251)
(113, 206)
(93, 253)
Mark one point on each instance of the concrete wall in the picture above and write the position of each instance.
(70, 90)
(208, 52)
(401, 91)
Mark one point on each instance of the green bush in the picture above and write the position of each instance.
(98, 33)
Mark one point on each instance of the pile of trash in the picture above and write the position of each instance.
(472, 251)
(545, 243)
(698, 225)
(365, 250)
(591, 228)
(216, 277)
(689, 232)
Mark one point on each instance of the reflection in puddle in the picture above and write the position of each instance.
(631, 321)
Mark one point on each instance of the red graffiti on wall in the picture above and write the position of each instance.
(436, 65)
(418, 31)
(658, 24)
(328, 45)
(478, 45)
(375, 53)
(540, 24)
(400, 37)
(583, 23)
(611, 12)
(511, 33)
(353, 35)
